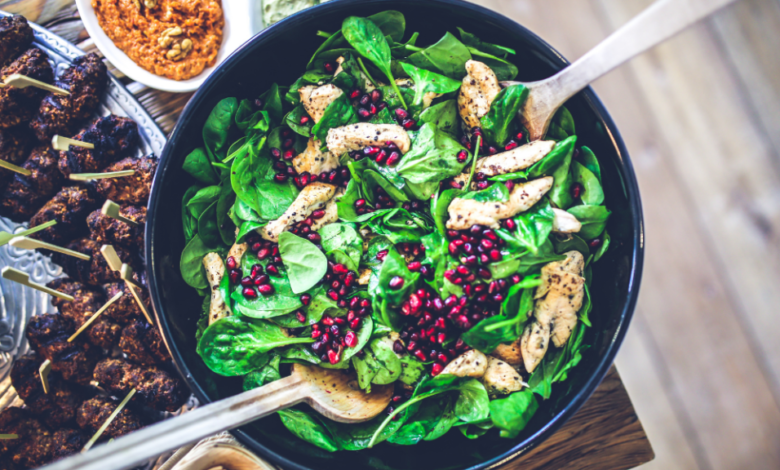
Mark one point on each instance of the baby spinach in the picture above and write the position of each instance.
(207, 226)
(191, 262)
(605, 240)
(265, 375)
(234, 346)
(447, 57)
(342, 237)
(338, 113)
(571, 242)
(411, 370)
(383, 117)
(560, 194)
(274, 198)
(473, 402)
(471, 40)
(311, 77)
(392, 267)
(370, 42)
(363, 336)
(592, 218)
(512, 414)
(434, 412)
(431, 159)
(246, 165)
(556, 364)
(486, 341)
(293, 120)
(592, 194)
(372, 180)
(308, 428)
(522, 262)
(379, 365)
(202, 199)
(561, 126)
(440, 205)
(534, 225)
(426, 81)
(227, 229)
(304, 262)
(299, 353)
(396, 97)
(497, 192)
(443, 115)
(398, 225)
(346, 205)
(247, 228)
(199, 166)
(590, 161)
(216, 131)
(189, 223)
(497, 123)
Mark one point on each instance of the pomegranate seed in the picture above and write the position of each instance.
(576, 190)
(354, 95)
(408, 123)
(288, 143)
(421, 355)
(414, 302)
(436, 369)
(249, 293)
(483, 184)
(246, 282)
(364, 100)
(355, 323)
(261, 279)
(486, 243)
(396, 282)
(304, 178)
(595, 243)
(492, 150)
(235, 275)
(372, 109)
(280, 177)
(495, 255)
(414, 266)
(401, 113)
(276, 153)
(360, 203)
(305, 299)
(381, 157)
(231, 263)
(371, 150)
(333, 357)
(412, 344)
(498, 298)
(516, 278)
(288, 154)
(519, 136)
(340, 269)
(300, 316)
(316, 333)
(483, 273)
(314, 237)
(510, 224)
(381, 255)
(393, 159)
(462, 156)
(304, 120)
(333, 295)
(512, 144)
(376, 95)
(464, 270)
(351, 339)
(363, 113)
(330, 67)
(266, 289)
(441, 338)
(272, 270)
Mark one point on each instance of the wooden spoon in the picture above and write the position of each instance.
(333, 393)
(659, 22)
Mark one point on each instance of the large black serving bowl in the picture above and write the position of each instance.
(279, 54)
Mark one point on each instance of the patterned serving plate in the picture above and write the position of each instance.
(18, 303)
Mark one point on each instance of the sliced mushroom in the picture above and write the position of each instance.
(467, 212)
(215, 270)
(519, 158)
(345, 139)
(479, 89)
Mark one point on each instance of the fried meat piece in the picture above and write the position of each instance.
(63, 114)
(16, 35)
(125, 310)
(70, 208)
(103, 332)
(48, 334)
(133, 189)
(155, 387)
(95, 271)
(58, 406)
(35, 451)
(25, 195)
(114, 137)
(67, 442)
(143, 344)
(94, 412)
(15, 144)
(107, 231)
(18, 105)
(33, 446)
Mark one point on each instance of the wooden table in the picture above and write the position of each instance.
(604, 435)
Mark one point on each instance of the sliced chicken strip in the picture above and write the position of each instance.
(509, 353)
(312, 160)
(316, 98)
(469, 364)
(368, 85)
(565, 222)
(478, 91)
(331, 212)
(215, 270)
(358, 136)
(519, 158)
(313, 197)
(558, 300)
(467, 212)
(501, 378)
(365, 276)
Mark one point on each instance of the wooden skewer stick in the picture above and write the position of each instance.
(100, 176)
(6, 237)
(94, 317)
(44, 373)
(111, 418)
(4, 437)
(111, 209)
(26, 243)
(13, 274)
(109, 253)
(59, 142)
(20, 81)
(126, 273)
(12, 167)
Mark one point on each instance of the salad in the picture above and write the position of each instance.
(385, 214)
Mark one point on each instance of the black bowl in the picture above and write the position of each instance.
(279, 54)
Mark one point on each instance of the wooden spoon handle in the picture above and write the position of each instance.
(140, 446)
(660, 21)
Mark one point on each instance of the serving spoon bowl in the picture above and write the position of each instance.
(333, 393)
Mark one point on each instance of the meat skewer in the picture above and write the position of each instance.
(88, 300)
(13, 274)
(156, 387)
(113, 138)
(133, 190)
(48, 334)
(15, 144)
(94, 412)
(109, 231)
(58, 406)
(96, 271)
(18, 105)
(85, 80)
(25, 195)
(16, 35)
(69, 207)
(143, 344)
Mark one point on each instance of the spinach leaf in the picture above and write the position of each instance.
(247, 228)
(605, 240)
(319, 306)
(424, 421)
(203, 320)
(440, 205)
(246, 165)
(556, 364)
(363, 336)
(503, 69)
(512, 414)
(266, 374)
(358, 436)
(398, 225)
(590, 161)
(593, 194)
(431, 159)
(487, 341)
(587, 307)
(370, 42)
(592, 218)
(524, 261)
(426, 81)
(293, 120)
(383, 117)
(300, 353)
(338, 113)
(216, 131)
(396, 99)
(473, 402)
(571, 242)
(379, 365)
(560, 194)
(391, 22)
(443, 115)
(372, 180)
(308, 428)
(497, 123)
(561, 126)
(346, 204)
(202, 199)
(471, 40)
(232, 346)
(497, 192)
(304, 262)
(199, 166)
(272, 103)
(411, 370)
(189, 222)
(207, 226)
(191, 263)
(447, 57)
(475, 430)
(393, 266)
(274, 198)
(344, 238)
(282, 302)
(226, 227)
(534, 225)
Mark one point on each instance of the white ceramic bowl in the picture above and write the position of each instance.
(242, 21)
